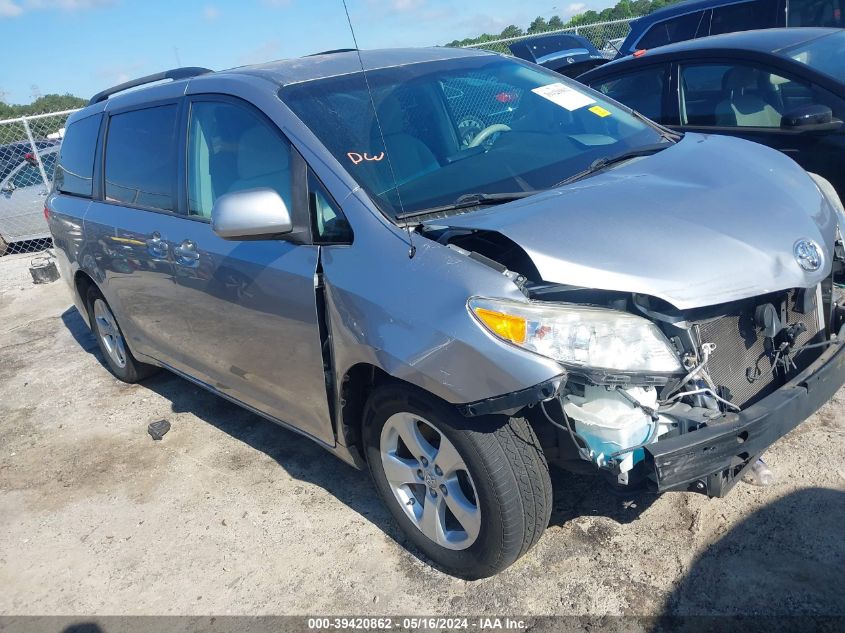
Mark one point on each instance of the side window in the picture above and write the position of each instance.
(641, 90)
(140, 163)
(683, 27)
(745, 16)
(816, 13)
(231, 148)
(330, 225)
(727, 95)
(75, 171)
(30, 175)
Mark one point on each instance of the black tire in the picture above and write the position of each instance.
(507, 466)
(132, 370)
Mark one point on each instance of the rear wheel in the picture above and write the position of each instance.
(473, 494)
(119, 359)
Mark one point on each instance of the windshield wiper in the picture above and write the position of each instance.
(603, 163)
(665, 132)
(469, 200)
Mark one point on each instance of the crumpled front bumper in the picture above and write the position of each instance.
(712, 459)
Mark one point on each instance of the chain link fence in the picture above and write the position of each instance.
(29, 147)
(606, 36)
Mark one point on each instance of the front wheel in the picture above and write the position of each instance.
(473, 494)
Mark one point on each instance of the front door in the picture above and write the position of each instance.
(248, 321)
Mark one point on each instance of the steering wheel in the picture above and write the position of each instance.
(487, 132)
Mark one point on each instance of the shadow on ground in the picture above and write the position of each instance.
(771, 565)
(575, 494)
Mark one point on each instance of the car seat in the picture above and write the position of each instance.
(745, 105)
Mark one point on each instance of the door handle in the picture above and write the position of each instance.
(156, 246)
(186, 254)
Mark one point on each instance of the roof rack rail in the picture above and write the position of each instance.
(174, 74)
(333, 52)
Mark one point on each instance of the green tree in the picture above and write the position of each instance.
(624, 9)
(538, 25)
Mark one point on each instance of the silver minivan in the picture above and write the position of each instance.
(455, 268)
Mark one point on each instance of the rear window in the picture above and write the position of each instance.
(75, 171)
(140, 165)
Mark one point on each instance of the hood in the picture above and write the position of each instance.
(709, 220)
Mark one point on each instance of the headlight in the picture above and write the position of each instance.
(580, 336)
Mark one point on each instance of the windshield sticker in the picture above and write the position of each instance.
(564, 96)
(599, 111)
(357, 158)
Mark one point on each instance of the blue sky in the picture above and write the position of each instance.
(82, 46)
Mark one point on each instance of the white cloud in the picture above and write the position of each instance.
(12, 8)
(66, 5)
(401, 6)
(210, 12)
(9, 9)
(575, 7)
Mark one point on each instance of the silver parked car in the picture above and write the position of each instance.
(318, 240)
(22, 195)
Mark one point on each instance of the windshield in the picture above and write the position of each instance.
(472, 125)
(824, 54)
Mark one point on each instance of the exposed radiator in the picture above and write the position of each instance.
(741, 349)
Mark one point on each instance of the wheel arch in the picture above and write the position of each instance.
(82, 282)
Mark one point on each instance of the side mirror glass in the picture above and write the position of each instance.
(250, 214)
(810, 118)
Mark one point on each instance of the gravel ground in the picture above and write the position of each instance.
(230, 514)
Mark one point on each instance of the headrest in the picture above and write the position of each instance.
(740, 78)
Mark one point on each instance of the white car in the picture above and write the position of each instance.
(22, 196)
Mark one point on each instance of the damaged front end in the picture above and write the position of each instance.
(670, 398)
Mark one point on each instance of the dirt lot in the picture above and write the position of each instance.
(230, 514)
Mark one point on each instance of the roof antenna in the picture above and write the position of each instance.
(412, 250)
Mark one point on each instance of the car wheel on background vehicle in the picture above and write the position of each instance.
(473, 494)
(119, 359)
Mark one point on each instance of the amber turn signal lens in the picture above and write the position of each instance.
(510, 328)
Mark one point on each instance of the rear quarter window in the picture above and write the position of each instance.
(75, 169)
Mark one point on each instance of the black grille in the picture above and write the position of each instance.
(742, 352)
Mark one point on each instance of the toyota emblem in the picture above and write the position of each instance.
(808, 255)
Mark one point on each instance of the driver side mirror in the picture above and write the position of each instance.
(250, 214)
(9, 187)
(810, 118)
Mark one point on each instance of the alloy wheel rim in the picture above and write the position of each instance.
(109, 333)
(430, 481)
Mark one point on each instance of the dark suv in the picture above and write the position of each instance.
(700, 18)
